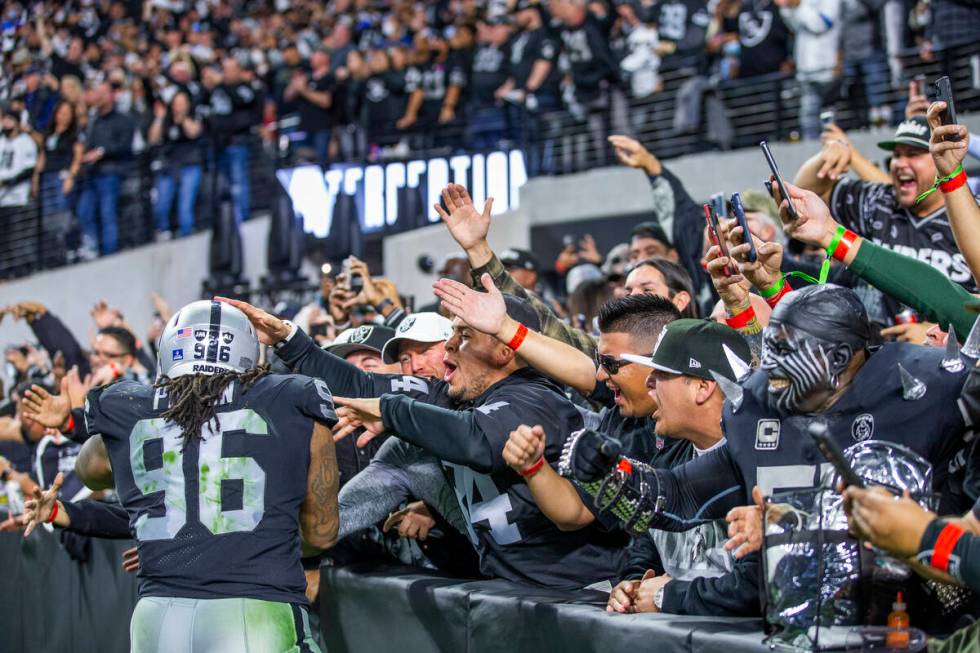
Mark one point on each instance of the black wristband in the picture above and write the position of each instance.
(383, 304)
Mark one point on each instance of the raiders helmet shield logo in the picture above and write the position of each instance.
(200, 334)
(767, 435)
(406, 324)
(863, 427)
(227, 337)
(361, 334)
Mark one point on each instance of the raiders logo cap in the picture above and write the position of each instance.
(417, 327)
(695, 348)
(369, 337)
(914, 132)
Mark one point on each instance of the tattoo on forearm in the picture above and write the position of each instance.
(319, 516)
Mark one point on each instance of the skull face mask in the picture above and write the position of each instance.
(810, 341)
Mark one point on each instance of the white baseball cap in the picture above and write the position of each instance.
(417, 327)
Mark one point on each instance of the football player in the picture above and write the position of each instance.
(222, 469)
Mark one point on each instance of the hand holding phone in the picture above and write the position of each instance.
(739, 212)
(828, 447)
(791, 210)
(944, 93)
(711, 219)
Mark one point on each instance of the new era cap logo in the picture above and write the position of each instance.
(693, 363)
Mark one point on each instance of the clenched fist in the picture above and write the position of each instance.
(524, 448)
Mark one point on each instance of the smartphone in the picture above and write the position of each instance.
(711, 219)
(568, 240)
(828, 447)
(779, 180)
(826, 118)
(718, 204)
(739, 212)
(944, 93)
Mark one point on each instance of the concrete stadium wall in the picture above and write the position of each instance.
(173, 269)
(176, 269)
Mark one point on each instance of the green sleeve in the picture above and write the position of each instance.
(551, 325)
(916, 284)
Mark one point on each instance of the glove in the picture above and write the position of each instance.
(589, 456)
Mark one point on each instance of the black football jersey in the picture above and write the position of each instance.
(219, 517)
(872, 211)
(779, 454)
(515, 540)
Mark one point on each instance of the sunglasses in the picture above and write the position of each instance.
(612, 365)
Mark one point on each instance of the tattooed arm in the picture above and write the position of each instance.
(319, 518)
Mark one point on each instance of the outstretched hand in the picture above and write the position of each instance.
(745, 526)
(468, 227)
(814, 224)
(269, 327)
(630, 152)
(484, 311)
(356, 413)
(47, 409)
(38, 509)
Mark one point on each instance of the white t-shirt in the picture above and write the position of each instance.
(17, 154)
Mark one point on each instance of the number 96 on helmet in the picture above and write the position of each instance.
(207, 337)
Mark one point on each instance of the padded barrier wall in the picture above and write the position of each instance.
(49, 602)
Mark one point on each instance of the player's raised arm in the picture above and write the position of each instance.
(302, 355)
(319, 517)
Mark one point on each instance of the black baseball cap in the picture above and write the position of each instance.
(519, 258)
(913, 131)
(696, 348)
(369, 337)
(651, 230)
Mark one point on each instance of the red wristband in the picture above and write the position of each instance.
(533, 469)
(54, 513)
(785, 290)
(954, 183)
(740, 320)
(945, 543)
(847, 241)
(70, 424)
(518, 338)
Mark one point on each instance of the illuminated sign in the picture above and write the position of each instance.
(374, 188)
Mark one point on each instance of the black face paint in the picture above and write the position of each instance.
(800, 368)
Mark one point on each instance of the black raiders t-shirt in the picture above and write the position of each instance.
(489, 74)
(762, 35)
(526, 48)
(313, 118)
(872, 211)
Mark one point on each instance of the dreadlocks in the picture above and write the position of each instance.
(194, 396)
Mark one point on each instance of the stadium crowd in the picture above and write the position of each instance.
(95, 92)
(653, 426)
